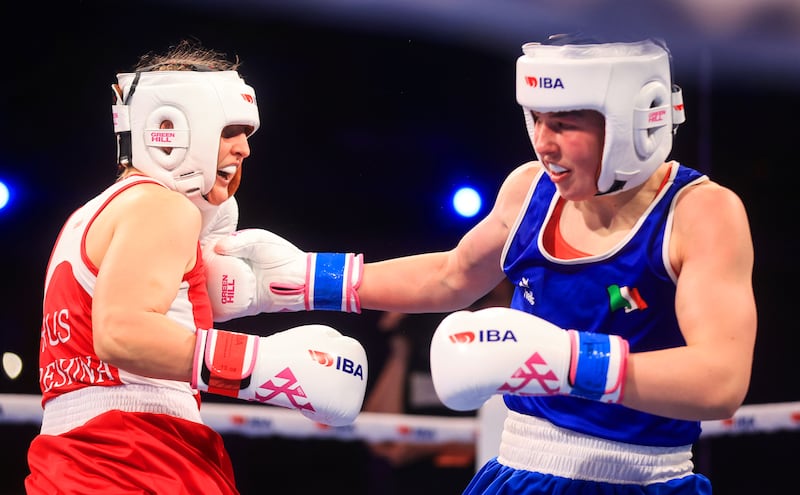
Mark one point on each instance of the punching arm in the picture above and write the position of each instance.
(255, 271)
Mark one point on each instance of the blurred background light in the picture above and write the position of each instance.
(467, 202)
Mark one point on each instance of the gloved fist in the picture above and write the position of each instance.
(218, 222)
(255, 271)
(311, 368)
(475, 355)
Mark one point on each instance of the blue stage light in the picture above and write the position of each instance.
(467, 202)
(5, 195)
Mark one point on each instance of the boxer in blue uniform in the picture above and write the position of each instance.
(633, 317)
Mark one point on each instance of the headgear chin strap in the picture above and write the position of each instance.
(629, 83)
(199, 105)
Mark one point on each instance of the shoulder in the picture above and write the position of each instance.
(154, 205)
(513, 193)
(525, 172)
(708, 199)
(518, 182)
(154, 195)
(144, 214)
(710, 220)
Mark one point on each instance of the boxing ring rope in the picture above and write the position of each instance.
(260, 420)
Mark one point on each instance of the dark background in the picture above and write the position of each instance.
(371, 114)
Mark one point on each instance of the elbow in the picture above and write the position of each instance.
(729, 407)
(725, 399)
(107, 339)
(105, 350)
(722, 410)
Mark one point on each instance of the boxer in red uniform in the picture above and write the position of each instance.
(127, 340)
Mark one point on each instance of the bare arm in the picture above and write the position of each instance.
(713, 253)
(143, 243)
(449, 280)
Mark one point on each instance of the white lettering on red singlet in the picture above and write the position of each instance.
(55, 328)
(68, 371)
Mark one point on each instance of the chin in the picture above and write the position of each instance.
(572, 194)
(217, 195)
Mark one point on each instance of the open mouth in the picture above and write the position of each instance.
(227, 172)
(556, 169)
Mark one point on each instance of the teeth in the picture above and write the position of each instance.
(557, 169)
(227, 171)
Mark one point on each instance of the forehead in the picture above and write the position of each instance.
(591, 118)
(571, 114)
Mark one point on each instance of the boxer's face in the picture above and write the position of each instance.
(233, 149)
(570, 145)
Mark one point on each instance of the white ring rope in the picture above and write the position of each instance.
(259, 420)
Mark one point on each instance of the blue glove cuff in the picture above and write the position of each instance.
(329, 281)
(591, 370)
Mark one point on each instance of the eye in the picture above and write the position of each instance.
(564, 125)
(231, 131)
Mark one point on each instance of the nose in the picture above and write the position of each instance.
(239, 145)
(543, 140)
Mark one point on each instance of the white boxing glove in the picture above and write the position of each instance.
(475, 355)
(255, 271)
(311, 368)
(218, 221)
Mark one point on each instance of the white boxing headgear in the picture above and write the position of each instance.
(199, 104)
(628, 82)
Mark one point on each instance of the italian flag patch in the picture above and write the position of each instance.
(625, 298)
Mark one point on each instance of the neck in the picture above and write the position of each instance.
(622, 209)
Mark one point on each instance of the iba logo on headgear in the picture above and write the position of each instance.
(544, 82)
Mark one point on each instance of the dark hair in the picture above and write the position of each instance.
(188, 54)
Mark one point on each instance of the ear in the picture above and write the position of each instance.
(166, 124)
(167, 117)
(652, 120)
